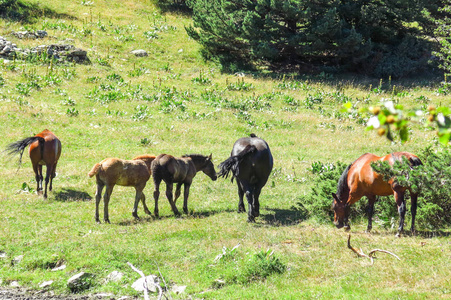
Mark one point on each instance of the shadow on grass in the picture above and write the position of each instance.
(283, 217)
(26, 12)
(191, 215)
(70, 195)
(429, 234)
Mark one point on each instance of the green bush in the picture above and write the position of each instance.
(432, 180)
(236, 268)
(317, 204)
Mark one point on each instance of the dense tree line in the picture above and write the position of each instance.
(382, 38)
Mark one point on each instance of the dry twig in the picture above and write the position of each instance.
(371, 254)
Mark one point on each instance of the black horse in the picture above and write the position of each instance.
(250, 163)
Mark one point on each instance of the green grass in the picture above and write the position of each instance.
(174, 102)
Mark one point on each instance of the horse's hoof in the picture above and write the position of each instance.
(398, 234)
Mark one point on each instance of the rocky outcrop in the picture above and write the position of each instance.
(59, 52)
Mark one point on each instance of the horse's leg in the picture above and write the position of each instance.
(247, 188)
(138, 197)
(143, 200)
(177, 191)
(100, 186)
(156, 195)
(413, 210)
(53, 175)
(48, 174)
(256, 201)
(169, 186)
(401, 203)
(185, 197)
(106, 200)
(37, 178)
(241, 207)
(371, 200)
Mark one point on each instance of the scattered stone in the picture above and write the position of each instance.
(2, 254)
(104, 295)
(152, 282)
(79, 282)
(178, 289)
(218, 283)
(39, 34)
(62, 267)
(17, 260)
(114, 276)
(60, 52)
(14, 284)
(45, 284)
(139, 53)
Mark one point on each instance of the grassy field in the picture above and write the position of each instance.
(173, 102)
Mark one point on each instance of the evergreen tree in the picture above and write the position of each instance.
(372, 36)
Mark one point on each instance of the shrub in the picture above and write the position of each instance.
(432, 181)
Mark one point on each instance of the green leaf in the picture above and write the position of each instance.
(444, 138)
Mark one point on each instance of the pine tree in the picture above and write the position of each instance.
(375, 35)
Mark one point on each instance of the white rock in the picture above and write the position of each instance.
(62, 267)
(152, 281)
(178, 289)
(115, 276)
(46, 284)
(14, 284)
(139, 53)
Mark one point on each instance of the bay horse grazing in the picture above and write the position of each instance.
(45, 149)
(251, 163)
(181, 170)
(359, 180)
(112, 171)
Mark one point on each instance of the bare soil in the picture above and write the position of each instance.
(24, 294)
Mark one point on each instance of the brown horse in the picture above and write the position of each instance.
(359, 180)
(181, 171)
(45, 149)
(112, 171)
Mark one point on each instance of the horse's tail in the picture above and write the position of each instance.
(415, 161)
(95, 170)
(231, 164)
(19, 146)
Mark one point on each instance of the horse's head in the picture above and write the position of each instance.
(209, 168)
(341, 213)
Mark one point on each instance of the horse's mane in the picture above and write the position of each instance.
(343, 188)
(196, 157)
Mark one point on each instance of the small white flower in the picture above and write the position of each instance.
(374, 121)
(390, 106)
(441, 119)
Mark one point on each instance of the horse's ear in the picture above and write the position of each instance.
(335, 197)
(210, 156)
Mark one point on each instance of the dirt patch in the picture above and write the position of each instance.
(24, 294)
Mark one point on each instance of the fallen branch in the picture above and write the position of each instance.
(371, 254)
(146, 291)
